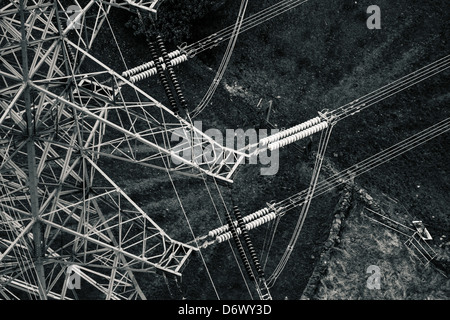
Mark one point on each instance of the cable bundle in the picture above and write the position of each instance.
(223, 35)
(224, 63)
(247, 24)
(390, 89)
(366, 165)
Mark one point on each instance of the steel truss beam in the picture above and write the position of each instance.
(60, 110)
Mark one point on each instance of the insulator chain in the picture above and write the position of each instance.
(251, 225)
(248, 242)
(298, 136)
(172, 75)
(214, 233)
(163, 78)
(239, 246)
(290, 131)
(148, 65)
(153, 71)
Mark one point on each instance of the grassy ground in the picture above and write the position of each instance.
(320, 55)
(364, 243)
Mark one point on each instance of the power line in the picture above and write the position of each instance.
(224, 63)
(184, 52)
(282, 207)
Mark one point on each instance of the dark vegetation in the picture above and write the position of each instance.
(320, 55)
(175, 19)
(365, 241)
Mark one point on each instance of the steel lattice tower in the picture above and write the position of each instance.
(62, 109)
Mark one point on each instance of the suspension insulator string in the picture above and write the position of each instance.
(158, 63)
(169, 67)
(241, 250)
(248, 241)
(163, 78)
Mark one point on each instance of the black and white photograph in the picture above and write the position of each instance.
(221, 158)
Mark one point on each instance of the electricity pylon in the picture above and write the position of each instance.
(61, 110)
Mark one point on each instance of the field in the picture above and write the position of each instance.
(319, 56)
